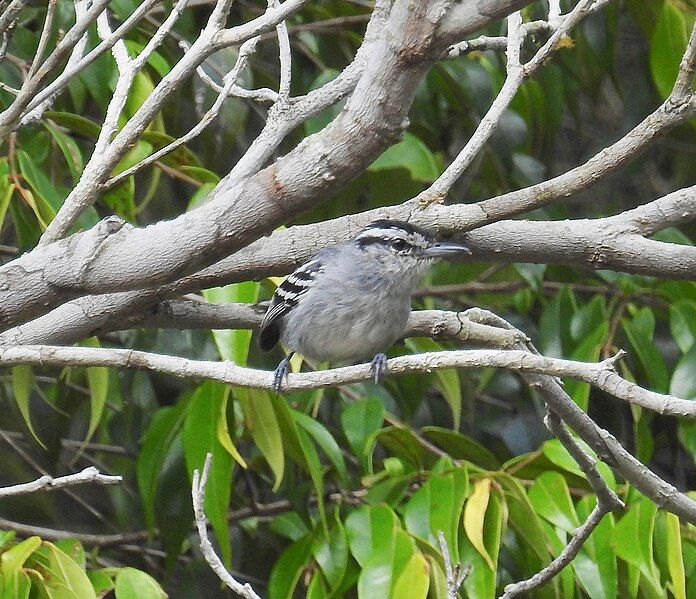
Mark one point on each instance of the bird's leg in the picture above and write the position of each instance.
(379, 365)
(281, 372)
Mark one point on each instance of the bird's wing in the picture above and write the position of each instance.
(285, 299)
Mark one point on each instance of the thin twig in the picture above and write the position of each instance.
(48, 483)
(198, 499)
(454, 573)
(230, 79)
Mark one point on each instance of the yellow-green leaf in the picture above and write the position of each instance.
(675, 559)
(68, 578)
(223, 432)
(414, 580)
(13, 559)
(474, 515)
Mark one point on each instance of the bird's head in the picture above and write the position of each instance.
(401, 243)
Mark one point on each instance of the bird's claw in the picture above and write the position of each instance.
(280, 373)
(379, 365)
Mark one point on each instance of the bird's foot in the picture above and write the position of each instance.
(379, 365)
(281, 372)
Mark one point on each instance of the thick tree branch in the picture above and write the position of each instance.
(614, 242)
(110, 256)
(212, 38)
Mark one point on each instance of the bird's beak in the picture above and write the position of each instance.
(446, 249)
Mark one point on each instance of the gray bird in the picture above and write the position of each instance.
(351, 301)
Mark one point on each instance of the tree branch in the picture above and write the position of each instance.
(601, 375)
(454, 573)
(321, 164)
(607, 501)
(601, 441)
(198, 499)
(48, 483)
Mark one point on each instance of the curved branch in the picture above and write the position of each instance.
(198, 500)
(607, 501)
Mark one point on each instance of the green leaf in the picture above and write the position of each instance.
(474, 516)
(5, 197)
(404, 444)
(75, 122)
(331, 553)
(288, 569)
(394, 562)
(317, 588)
(22, 384)
(68, 146)
(289, 525)
(360, 421)
(554, 330)
(413, 580)
(67, 579)
(682, 323)
(12, 560)
(588, 318)
(640, 333)
(200, 438)
(47, 200)
(587, 351)
(155, 60)
(223, 432)
(262, 423)
(178, 158)
(595, 566)
(324, 440)
(683, 382)
(557, 454)
(448, 380)
(411, 154)
(135, 584)
(667, 45)
(437, 506)
(98, 381)
(461, 447)
(550, 497)
(165, 425)
(233, 345)
(370, 531)
(481, 581)
(522, 516)
(675, 558)
(202, 175)
(632, 537)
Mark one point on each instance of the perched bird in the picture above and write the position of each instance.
(352, 300)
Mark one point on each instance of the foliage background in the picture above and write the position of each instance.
(339, 487)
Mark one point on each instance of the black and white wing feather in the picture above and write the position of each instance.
(285, 299)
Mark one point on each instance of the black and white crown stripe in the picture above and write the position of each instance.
(387, 232)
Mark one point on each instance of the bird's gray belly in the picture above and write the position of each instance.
(345, 332)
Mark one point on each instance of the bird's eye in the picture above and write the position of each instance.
(399, 245)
